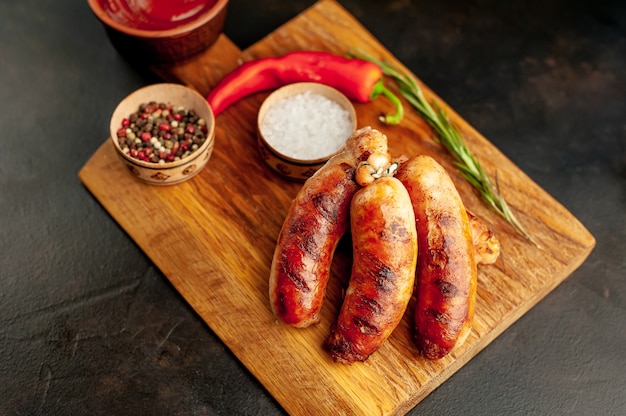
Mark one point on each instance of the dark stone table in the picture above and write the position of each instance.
(89, 326)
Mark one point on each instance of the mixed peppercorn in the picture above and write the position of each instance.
(161, 133)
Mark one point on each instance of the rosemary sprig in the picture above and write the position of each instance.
(451, 139)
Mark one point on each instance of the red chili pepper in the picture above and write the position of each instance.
(357, 79)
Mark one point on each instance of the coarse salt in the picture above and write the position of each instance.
(306, 126)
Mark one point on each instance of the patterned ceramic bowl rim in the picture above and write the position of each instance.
(298, 88)
(160, 93)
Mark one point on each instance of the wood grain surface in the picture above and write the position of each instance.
(213, 237)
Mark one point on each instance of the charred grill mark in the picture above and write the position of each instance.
(398, 231)
(297, 279)
(303, 226)
(349, 170)
(438, 258)
(383, 276)
(339, 347)
(365, 155)
(430, 349)
(369, 304)
(326, 206)
(438, 316)
(282, 305)
(304, 239)
(447, 289)
(341, 350)
(309, 245)
(291, 267)
(366, 327)
(444, 219)
(332, 204)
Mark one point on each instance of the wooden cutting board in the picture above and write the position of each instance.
(213, 237)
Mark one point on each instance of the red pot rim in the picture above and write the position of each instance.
(103, 16)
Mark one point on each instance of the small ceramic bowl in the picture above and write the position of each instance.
(168, 173)
(301, 126)
(153, 33)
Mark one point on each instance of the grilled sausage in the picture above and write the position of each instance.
(316, 221)
(384, 241)
(446, 270)
(486, 244)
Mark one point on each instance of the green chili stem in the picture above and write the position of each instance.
(380, 88)
(448, 136)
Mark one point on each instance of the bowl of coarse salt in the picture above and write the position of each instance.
(300, 126)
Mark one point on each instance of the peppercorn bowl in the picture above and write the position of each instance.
(301, 126)
(160, 32)
(164, 133)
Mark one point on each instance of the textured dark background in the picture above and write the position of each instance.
(89, 326)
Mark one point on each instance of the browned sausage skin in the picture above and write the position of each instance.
(486, 244)
(316, 221)
(446, 270)
(384, 242)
